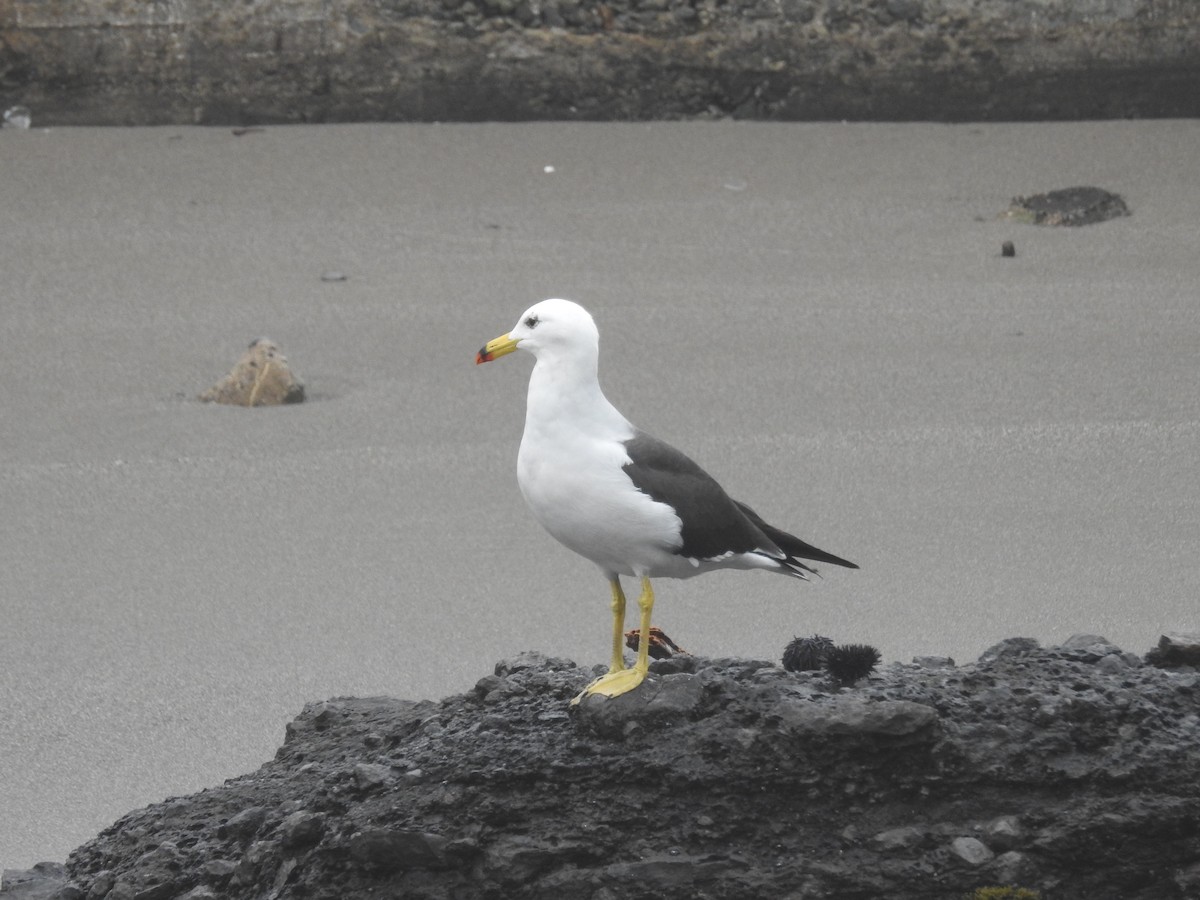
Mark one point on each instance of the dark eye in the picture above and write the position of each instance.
(531, 322)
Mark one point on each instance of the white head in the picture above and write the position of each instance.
(548, 329)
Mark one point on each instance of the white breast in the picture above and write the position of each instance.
(577, 490)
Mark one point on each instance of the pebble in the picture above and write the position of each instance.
(18, 117)
(1004, 831)
(933, 662)
(904, 838)
(301, 830)
(102, 883)
(1013, 867)
(218, 870)
(971, 850)
(1010, 647)
(369, 776)
(244, 825)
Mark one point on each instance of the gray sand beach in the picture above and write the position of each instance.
(818, 313)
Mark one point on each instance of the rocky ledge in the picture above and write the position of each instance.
(132, 62)
(1066, 772)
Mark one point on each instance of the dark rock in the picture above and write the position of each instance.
(1070, 206)
(1117, 662)
(971, 850)
(1010, 647)
(142, 886)
(798, 11)
(671, 875)
(388, 849)
(1004, 832)
(532, 659)
(165, 857)
(908, 10)
(258, 865)
(217, 870)
(301, 830)
(521, 858)
(371, 776)
(243, 825)
(551, 17)
(933, 662)
(117, 62)
(1189, 880)
(856, 716)
(658, 703)
(42, 882)
(154, 871)
(675, 665)
(734, 778)
(1176, 649)
(1089, 647)
(906, 837)
(1014, 867)
(678, 696)
(101, 885)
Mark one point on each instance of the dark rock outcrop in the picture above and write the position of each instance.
(117, 62)
(1072, 771)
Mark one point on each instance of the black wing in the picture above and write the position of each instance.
(792, 545)
(713, 524)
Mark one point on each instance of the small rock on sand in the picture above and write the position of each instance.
(1069, 206)
(261, 377)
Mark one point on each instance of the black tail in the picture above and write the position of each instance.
(792, 545)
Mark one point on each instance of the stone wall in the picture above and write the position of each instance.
(136, 62)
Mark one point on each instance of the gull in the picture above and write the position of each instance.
(629, 502)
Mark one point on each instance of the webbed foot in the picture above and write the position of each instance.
(614, 684)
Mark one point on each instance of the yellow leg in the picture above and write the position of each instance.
(621, 681)
(646, 605)
(618, 611)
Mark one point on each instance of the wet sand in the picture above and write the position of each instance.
(819, 314)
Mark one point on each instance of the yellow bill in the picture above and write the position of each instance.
(495, 348)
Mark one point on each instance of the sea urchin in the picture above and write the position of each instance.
(806, 654)
(847, 663)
